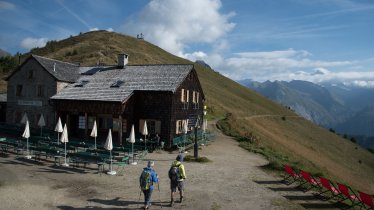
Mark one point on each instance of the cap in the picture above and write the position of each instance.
(150, 163)
(179, 157)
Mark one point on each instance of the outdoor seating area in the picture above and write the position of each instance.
(187, 141)
(78, 153)
(328, 189)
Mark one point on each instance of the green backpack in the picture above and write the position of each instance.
(146, 179)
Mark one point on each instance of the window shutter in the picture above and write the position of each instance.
(177, 127)
(182, 95)
(141, 125)
(197, 97)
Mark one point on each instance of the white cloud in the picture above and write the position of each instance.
(94, 29)
(173, 24)
(110, 29)
(6, 5)
(29, 42)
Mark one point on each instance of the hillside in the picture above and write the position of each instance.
(277, 129)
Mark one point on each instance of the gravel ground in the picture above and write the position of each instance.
(232, 180)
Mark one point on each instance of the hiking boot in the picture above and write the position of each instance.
(181, 199)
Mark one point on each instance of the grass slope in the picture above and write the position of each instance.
(281, 135)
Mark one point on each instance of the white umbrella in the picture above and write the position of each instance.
(109, 146)
(65, 139)
(145, 133)
(26, 135)
(24, 118)
(58, 129)
(132, 141)
(94, 132)
(41, 124)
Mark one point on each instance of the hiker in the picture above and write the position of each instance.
(146, 180)
(177, 175)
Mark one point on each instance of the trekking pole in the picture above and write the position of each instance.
(159, 192)
(140, 195)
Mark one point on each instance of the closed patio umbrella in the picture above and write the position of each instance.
(145, 133)
(58, 129)
(41, 124)
(185, 130)
(65, 139)
(94, 132)
(109, 146)
(132, 141)
(26, 135)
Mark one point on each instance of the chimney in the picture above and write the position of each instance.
(122, 60)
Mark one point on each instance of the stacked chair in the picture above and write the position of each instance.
(328, 189)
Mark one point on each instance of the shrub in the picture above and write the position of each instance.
(190, 158)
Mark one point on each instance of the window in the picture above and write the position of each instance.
(19, 90)
(81, 83)
(178, 128)
(91, 121)
(115, 124)
(194, 97)
(197, 97)
(105, 122)
(82, 122)
(117, 84)
(182, 96)
(187, 96)
(124, 126)
(31, 74)
(40, 92)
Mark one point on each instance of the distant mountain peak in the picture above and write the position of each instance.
(201, 62)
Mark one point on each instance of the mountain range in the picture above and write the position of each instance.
(280, 134)
(345, 109)
(4, 53)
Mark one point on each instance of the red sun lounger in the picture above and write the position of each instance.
(327, 184)
(309, 179)
(366, 199)
(292, 176)
(349, 193)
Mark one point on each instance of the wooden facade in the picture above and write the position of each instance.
(117, 97)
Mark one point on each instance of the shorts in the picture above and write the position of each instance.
(175, 185)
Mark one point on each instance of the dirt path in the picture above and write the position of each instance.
(233, 180)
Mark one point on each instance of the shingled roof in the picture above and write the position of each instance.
(62, 71)
(113, 84)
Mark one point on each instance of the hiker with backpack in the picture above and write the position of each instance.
(146, 180)
(177, 175)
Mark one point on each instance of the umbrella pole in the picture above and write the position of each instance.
(28, 156)
(145, 142)
(58, 138)
(111, 161)
(65, 153)
(95, 142)
(41, 131)
(65, 164)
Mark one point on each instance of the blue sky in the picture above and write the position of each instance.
(314, 40)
